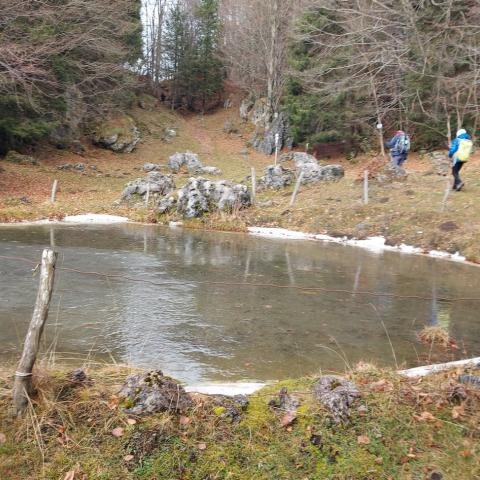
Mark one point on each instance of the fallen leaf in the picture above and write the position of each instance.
(381, 386)
(128, 458)
(379, 461)
(118, 432)
(70, 475)
(288, 419)
(363, 440)
(202, 446)
(184, 420)
(3, 438)
(458, 411)
(131, 421)
(425, 417)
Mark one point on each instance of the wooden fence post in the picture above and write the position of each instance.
(23, 385)
(445, 197)
(297, 187)
(254, 186)
(365, 187)
(54, 191)
(147, 198)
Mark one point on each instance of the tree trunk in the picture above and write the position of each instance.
(23, 385)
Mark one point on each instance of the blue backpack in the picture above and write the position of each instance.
(403, 144)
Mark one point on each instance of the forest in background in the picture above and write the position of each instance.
(336, 68)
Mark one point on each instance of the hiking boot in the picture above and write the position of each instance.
(460, 186)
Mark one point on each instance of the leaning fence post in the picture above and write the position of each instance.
(365, 187)
(54, 191)
(147, 198)
(254, 186)
(297, 187)
(23, 385)
(445, 197)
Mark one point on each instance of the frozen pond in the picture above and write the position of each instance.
(211, 306)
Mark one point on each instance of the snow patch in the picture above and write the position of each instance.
(428, 369)
(94, 218)
(373, 244)
(228, 389)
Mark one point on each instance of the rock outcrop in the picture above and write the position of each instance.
(152, 392)
(200, 196)
(276, 177)
(391, 173)
(265, 142)
(193, 164)
(158, 184)
(119, 135)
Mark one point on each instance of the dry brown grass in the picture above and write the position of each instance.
(438, 336)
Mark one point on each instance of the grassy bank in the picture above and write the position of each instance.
(399, 429)
(404, 212)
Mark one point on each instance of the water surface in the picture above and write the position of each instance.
(211, 306)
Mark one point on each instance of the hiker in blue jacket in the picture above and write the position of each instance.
(460, 151)
(399, 147)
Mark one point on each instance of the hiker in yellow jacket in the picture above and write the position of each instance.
(460, 151)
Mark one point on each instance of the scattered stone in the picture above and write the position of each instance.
(79, 377)
(448, 226)
(200, 196)
(169, 134)
(77, 148)
(337, 395)
(244, 152)
(229, 127)
(155, 181)
(79, 167)
(152, 392)
(276, 177)
(470, 380)
(151, 167)
(457, 395)
(14, 157)
(288, 405)
(120, 135)
(231, 408)
(362, 226)
(209, 170)
(265, 203)
(316, 440)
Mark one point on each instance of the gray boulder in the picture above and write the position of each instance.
(152, 392)
(169, 134)
(120, 135)
(391, 173)
(189, 159)
(313, 173)
(155, 181)
(200, 196)
(166, 204)
(276, 177)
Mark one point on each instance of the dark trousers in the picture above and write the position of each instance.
(398, 159)
(456, 174)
